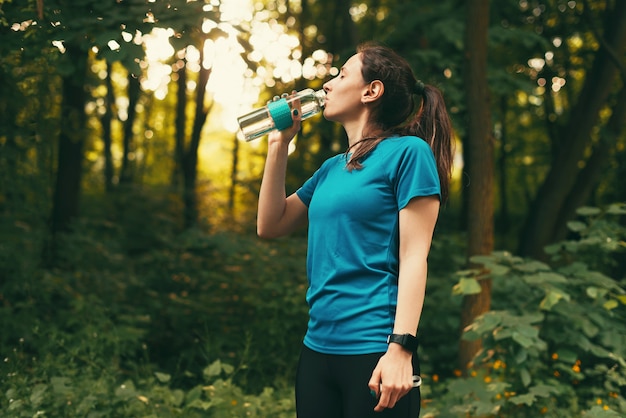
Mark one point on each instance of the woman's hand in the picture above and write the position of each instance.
(286, 135)
(393, 377)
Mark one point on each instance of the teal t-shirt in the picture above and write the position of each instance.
(352, 259)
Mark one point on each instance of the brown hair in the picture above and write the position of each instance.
(407, 107)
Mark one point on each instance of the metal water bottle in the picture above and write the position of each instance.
(277, 114)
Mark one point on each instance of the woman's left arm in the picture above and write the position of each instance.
(394, 369)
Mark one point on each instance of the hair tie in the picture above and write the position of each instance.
(419, 87)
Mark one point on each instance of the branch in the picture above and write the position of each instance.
(613, 55)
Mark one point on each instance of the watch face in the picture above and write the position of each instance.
(408, 341)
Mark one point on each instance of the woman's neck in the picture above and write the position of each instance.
(356, 131)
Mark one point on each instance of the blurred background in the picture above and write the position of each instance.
(132, 283)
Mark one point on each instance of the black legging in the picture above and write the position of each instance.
(335, 386)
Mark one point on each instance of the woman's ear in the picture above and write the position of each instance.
(374, 91)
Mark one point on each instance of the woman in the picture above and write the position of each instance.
(371, 213)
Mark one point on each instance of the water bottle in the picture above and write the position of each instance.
(277, 114)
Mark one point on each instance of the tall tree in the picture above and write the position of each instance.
(551, 208)
(480, 156)
(71, 141)
(79, 28)
(189, 163)
(189, 33)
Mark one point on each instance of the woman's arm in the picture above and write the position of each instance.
(277, 214)
(395, 370)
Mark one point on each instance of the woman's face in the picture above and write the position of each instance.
(344, 92)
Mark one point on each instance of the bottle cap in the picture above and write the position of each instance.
(280, 113)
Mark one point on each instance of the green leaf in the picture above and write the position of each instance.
(163, 377)
(523, 340)
(576, 226)
(532, 266)
(622, 298)
(16, 404)
(552, 298)
(599, 412)
(543, 391)
(37, 395)
(525, 376)
(60, 385)
(126, 390)
(589, 328)
(617, 209)
(545, 277)
(498, 270)
(610, 304)
(592, 292)
(227, 368)
(588, 211)
(567, 356)
(502, 333)
(466, 286)
(527, 399)
(214, 369)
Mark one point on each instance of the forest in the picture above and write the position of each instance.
(132, 280)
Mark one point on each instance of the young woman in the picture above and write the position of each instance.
(371, 214)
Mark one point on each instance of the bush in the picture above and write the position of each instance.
(554, 344)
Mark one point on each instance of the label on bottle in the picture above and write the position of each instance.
(280, 113)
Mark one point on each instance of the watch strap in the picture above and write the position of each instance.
(407, 341)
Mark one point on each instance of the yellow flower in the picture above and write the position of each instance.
(498, 364)
(543, 410)
(487, 379)
(233, 402)
(599, 401)
(555, 356)
(435, 378)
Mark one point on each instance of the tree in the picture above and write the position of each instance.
(189, 33)
(566, 184)
(81, 27)
(480, 158)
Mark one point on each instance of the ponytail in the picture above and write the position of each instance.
(432, 123)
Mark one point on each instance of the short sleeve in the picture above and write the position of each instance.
(305, 192)
(416, 173)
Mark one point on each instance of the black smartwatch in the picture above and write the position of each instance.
(407, 341)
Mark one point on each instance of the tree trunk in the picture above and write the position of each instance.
(71, 140)
(233, 178)
(180, 123)
(545, 218)
(481, 164)
(134, 89)
(190, 160)
(107, 140)
(589, 176)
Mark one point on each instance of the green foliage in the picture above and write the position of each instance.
(555, 340)
(128, 321)
(198, 324)
(79, 391)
